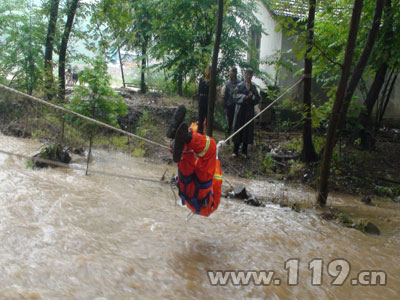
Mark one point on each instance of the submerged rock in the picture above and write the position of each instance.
(367, 200)
(252, 201)
(372, 229)
(54, 152)
(17, 130)
(241, 193)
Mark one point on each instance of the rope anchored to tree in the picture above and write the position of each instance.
(220, 143)
(63, 109)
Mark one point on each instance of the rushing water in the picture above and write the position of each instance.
(64, 235)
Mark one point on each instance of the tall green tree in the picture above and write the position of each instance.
(142, 34)
(72, 7)
(337, 106)
(213, 78)
(22, 29)
(362, 62)
(96, 99)
(385, 61)
(49, 47)
(183, 41)
(308, 153)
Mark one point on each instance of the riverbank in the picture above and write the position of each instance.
(274, 155)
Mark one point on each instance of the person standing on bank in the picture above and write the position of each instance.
(204, 86)
(229, 103)
(246, 96)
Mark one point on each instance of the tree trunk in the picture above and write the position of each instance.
(382, 112)
(121, 66)
(337, 105)
(213, 76)
(31, 62)
(179, 86)
(143, 87)
(48, 55)
(89, 154)
(381, 101)
(63, 49)
(362, 62)
(365, 133)
(308, 154)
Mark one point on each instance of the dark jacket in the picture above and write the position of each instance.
(228, 95)
(244, 111)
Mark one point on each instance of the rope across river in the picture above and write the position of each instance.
(63, 109)
(83, 117)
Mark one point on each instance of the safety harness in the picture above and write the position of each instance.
(194, 201)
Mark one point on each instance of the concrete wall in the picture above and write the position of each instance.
(271, 41)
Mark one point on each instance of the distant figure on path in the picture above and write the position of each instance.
(246, 96)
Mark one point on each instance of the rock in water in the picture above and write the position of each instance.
(252, 201)
(372, 229)
(54, 152)
(240, 192)
(367, 200)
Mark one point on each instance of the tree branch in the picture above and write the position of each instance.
(323, 53)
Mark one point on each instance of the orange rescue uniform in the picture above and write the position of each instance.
(200, 179)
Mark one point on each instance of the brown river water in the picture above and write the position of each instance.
(64, 235)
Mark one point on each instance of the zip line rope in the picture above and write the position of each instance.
(60, 108)
(220, 143)
(80, 116)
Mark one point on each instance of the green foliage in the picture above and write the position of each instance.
(29, 164)
(96, 100)
(295, 144)
(268, 163)
(391, 191)
(22, 32)
(331, 30)
(184, 40)
(144, 127)
(219, 116)
(119, 142)
(346, 220)
(295, 168)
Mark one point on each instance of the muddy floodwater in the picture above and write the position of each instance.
(64, 235)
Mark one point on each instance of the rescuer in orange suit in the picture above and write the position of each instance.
(199, 171)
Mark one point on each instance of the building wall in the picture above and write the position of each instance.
(271, 41)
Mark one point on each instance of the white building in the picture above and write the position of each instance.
(270, 41)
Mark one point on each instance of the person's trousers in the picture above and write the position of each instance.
(236, 148)
(202, 117)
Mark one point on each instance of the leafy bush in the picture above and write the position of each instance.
(96, 100)
(268, 162)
